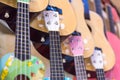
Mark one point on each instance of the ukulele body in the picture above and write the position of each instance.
(8, 15)
(96, 25)
(67, 26)
(12, 67)
(81, 28)
(8, 46)
(35, 5)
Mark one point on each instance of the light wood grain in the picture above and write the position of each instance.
(68, 18)
(82, 28)
(96, 24)
(35, 5)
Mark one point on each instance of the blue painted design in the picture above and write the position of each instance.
(86, 9)
(4, 60)
(52, 8)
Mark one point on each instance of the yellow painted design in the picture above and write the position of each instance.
(29, 64)
(9, 61)
(5, 70)
(4, 74)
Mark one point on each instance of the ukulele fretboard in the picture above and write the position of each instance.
(80, 68)
(100, 74)
(22, 45)
(56, 63)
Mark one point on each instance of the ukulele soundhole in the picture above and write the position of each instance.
(22, 77)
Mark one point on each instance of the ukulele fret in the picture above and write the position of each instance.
(80, 68)
(100, 74)
(22, 45)
(56, 65)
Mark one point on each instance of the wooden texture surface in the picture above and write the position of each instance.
(67, 19)
(96, 24)
(35, 5)
(82, 28)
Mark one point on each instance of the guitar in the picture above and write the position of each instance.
(21, 65)
(97, 62)
(52, 23)
(98, 34)
(82, 28)
(77, 49)
(66, 12)
(35, 5)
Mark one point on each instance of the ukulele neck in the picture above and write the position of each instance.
(22, 43)
(56, 63)
(100, 74)
(80, 68)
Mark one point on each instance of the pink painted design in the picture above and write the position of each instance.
(114, 41)
(76, 45)
(115, 15)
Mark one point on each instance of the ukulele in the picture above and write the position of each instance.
(100, 42)
(8, 14)
(82, 28)
(35, 5)
(77, 49)
(66, 14)
(114, 41)
(97, 62)
(52, 23)
(21, 65)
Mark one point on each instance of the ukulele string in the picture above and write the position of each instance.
(25, 26)
(17, 33)
(22, 24)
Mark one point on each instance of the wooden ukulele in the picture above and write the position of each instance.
(69, 25)
(21, 65)
(8, 14)
(100, 42)
(98, 63)
(66, 14)
(77, 49)
(52, 23)
(35, 5)
(114, 42)
(82, 28)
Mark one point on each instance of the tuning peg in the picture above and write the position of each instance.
(62, 26)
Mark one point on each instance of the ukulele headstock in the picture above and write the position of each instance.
(97, 59)
(76, 45)
(51, 20)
